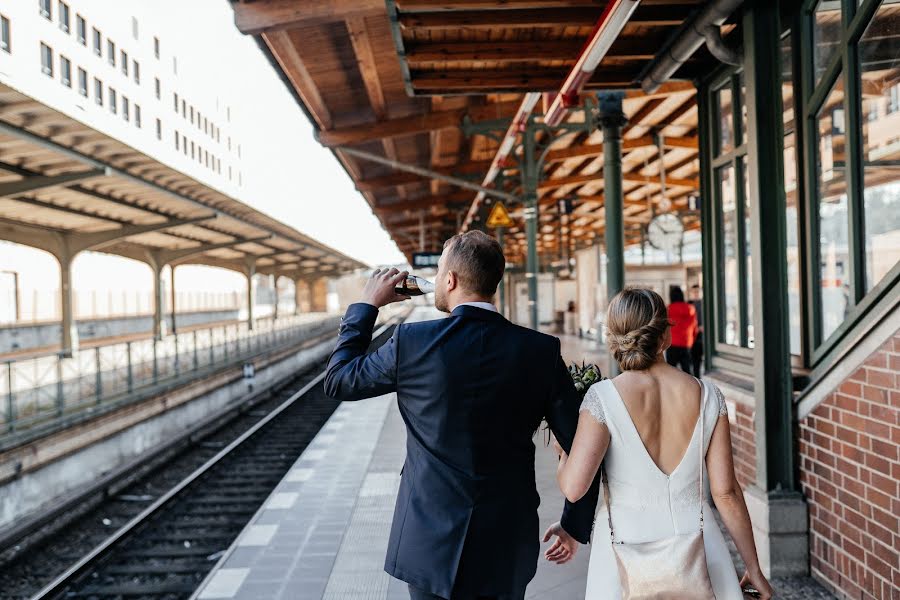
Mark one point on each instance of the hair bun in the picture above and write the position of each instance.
(636, 322)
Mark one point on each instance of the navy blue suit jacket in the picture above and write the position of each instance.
(472, 390)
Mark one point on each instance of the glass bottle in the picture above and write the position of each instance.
(415, 286)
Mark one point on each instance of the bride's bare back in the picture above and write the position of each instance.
(664, 405)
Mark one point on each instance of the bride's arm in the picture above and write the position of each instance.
(576, 471)
(729, 499)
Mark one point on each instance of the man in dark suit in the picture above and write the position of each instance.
(472, 389)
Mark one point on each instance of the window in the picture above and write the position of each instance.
(81, 30)
(5, 41)
(175, 98)
(137, 115)
(193, 149)
(82, 82)
(177, 141)
(46, 60)
(136, 71)
(729, 224)
(65, 71)
(98, 42)
(156, 87)
(183, 108)
(135, 32)
(192, 115)
(64, 16)
(156, 47)
(158, 129)
(113, 101)
(126, 106)
(111, 52)
(45, 9)
(854, 185)
(175, 65)
(98, 91)
(124, 61)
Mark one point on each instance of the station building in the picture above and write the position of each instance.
(765, 136)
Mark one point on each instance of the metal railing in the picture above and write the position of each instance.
(47, 389)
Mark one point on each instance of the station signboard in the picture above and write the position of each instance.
(425, 259)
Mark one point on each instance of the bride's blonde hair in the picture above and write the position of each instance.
(636, 324)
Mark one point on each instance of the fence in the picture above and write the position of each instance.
(49, 388)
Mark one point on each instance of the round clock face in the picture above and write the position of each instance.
(665, 232)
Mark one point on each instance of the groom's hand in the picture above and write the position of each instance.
(564, 548)
(380, 288)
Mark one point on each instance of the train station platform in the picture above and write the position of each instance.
(323, 532)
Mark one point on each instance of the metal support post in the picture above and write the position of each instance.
(275, 301)
(501, 289)
(196, 354)
(776, 505)
(249, 272)
(172, 294)
(10, 399)
(69, 339)
(530, 177)
(98, 375)
(612, 119)
(130, 371)
(155, 364)
(60, 388)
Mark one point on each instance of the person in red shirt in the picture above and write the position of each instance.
(684, 330)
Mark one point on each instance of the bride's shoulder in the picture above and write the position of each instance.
(593, 401)
(716, 398)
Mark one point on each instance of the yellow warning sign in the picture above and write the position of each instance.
(499, 217)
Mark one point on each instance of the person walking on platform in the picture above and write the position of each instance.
(684, 330)
(472, 390)
(697, 348)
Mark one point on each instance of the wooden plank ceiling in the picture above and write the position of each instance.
(397, 78)
(133, 189)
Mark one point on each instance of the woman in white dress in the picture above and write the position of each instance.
(644, 426)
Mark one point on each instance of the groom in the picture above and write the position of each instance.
(472, 390)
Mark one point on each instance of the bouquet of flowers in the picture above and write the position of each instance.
(584, 376)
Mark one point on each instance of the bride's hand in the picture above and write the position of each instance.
(564, 548)
(758, 581)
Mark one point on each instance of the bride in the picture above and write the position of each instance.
(643, 426)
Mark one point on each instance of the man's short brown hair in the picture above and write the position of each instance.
(477, 259)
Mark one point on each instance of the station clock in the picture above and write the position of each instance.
(665, 232)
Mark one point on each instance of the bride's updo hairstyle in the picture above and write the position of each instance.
(636, 325)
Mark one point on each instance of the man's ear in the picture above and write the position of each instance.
(452, 281)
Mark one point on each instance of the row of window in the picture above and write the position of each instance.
(65, 77)
(5, 40)
(81, 35)
(196, 118)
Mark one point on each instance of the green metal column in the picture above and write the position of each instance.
(612, 119)
(530, 178)
(775, 469)
(69, 330)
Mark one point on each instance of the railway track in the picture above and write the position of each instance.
(160, 535)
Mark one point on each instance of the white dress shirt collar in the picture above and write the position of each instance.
(483, 305)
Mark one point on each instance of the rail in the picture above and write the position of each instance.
(49, 389)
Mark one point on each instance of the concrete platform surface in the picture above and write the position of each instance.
(322, 534)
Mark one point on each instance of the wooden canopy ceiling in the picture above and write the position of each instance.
(61, 179)
(397, 78)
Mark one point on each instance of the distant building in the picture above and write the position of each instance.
(107, 65)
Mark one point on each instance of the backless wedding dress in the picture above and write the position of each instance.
(648, 504)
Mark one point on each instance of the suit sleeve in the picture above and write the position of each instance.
(352, 374)
(562, 416)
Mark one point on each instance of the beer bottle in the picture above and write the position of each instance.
(415, 286)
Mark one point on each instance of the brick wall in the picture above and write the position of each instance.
(743, 443)
(850, 473)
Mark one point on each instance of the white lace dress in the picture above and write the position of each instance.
(647, 504)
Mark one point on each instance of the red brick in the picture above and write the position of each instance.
(877, 359)
(894, 363)
(875, 394)
(878, 378)
(846, 435)
(873, 461)
(879, 499)
(877, 428)
(886, 449)
(884, 484)
(883, 413)
(847, 403)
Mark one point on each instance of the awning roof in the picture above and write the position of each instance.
(397, 78)
(59, 175)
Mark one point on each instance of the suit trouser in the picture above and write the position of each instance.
(680, 357)
(418, 594)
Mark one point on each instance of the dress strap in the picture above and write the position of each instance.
(703, 392)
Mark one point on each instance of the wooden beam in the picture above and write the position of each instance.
(292, 64)
(658, 15)
(415, 124)
(511, 52)
(514, 80)
(374, 184)
(449, 5)
(252, 18)
(446, 200)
